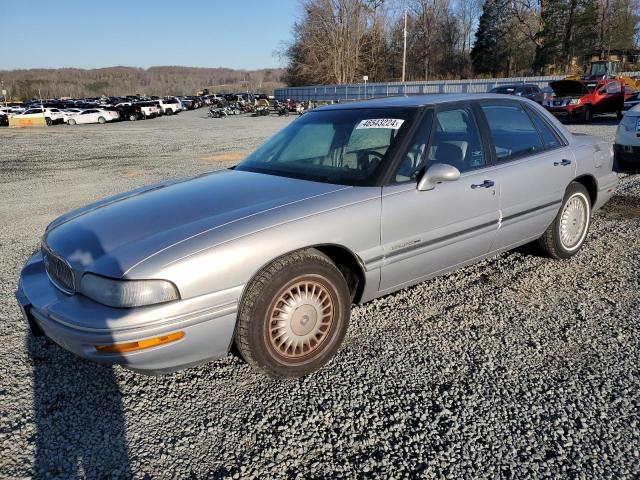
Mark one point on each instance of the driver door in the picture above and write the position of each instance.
(424, 233)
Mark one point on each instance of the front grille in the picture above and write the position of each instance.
(59, 272)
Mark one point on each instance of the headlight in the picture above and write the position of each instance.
(127, 293)
(574, 101)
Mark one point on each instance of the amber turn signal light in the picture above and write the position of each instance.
(140, 344)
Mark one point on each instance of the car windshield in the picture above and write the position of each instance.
(347, 147)
(503, 90)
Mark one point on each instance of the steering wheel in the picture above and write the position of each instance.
(365, 162)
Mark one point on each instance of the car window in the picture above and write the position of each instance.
(549, 137)
(613, 87)
(512, 131)
(456, 140)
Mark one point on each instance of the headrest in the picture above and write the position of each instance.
(449, 153)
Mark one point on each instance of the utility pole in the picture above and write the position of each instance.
(404, 49)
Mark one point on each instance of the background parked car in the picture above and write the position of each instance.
(526, 90)
(149, 109)
(170, 105)
(130, 112)
(627, 143)
(93, 116)
(578, 99)
(51, 115)
(631, 101)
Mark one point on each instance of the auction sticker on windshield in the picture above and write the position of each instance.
(392, 123)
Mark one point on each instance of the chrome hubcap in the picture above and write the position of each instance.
(573, 222)
(300, 319)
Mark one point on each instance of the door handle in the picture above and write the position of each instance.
(564, 163)
(485, 184)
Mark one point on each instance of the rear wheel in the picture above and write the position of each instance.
(133, 117)
(294, 315)
(588, 114)
(619, 114)
(567, 233)
(169, 111)
(48, 121)
(101, 120)
(71, 121)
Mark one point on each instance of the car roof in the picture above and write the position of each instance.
(413, 101)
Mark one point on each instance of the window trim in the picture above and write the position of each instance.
(561, 140)
(471, 105)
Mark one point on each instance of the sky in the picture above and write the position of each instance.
(242, 34)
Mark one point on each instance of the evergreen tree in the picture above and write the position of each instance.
(489, 50)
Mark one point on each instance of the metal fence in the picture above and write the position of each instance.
(360, 91)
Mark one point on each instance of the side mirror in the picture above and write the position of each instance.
(438, 173)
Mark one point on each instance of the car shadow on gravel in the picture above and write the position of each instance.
(77, 408)
(622, 207)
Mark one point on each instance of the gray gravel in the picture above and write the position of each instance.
(519, 367)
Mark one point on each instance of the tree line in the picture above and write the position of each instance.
(81, 83)
(339, 41)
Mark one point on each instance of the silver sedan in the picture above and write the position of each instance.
(346, 204)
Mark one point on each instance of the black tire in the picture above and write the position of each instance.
(133, 117)
(551, 242)
(258, 330)
(101, 120)
(71, 122)
(588, 114)
(169, 112)
(619, 115)
(48, 121)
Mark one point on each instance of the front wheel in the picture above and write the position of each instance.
(294, 315)
(133, 118)
(101, 120)
(619, 114)
(566, 235)
(48, 121)
(588, 115)
(71, 122)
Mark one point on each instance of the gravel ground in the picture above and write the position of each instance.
(518, 367)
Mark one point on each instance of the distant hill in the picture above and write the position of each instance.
(79, 83)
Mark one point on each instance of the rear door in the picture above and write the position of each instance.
(534, 166)
(427, 232)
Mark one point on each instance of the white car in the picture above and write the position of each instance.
(149, 109)
(170, 105)
(93, 115)
(51, 115)
(70, 112)
(627, 142)
(9, 110)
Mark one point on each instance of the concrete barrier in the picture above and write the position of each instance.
(27, 122)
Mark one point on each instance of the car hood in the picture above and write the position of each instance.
(112, 235)
(568, 88)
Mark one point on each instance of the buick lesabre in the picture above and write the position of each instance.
(347, 203)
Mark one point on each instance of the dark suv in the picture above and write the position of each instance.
(130, 112)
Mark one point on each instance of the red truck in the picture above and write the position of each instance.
(583, 99)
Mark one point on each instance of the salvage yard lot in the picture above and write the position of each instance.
(516, 367)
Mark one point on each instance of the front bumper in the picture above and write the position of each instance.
(78, 324)
(626, 158)
(568, 111)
